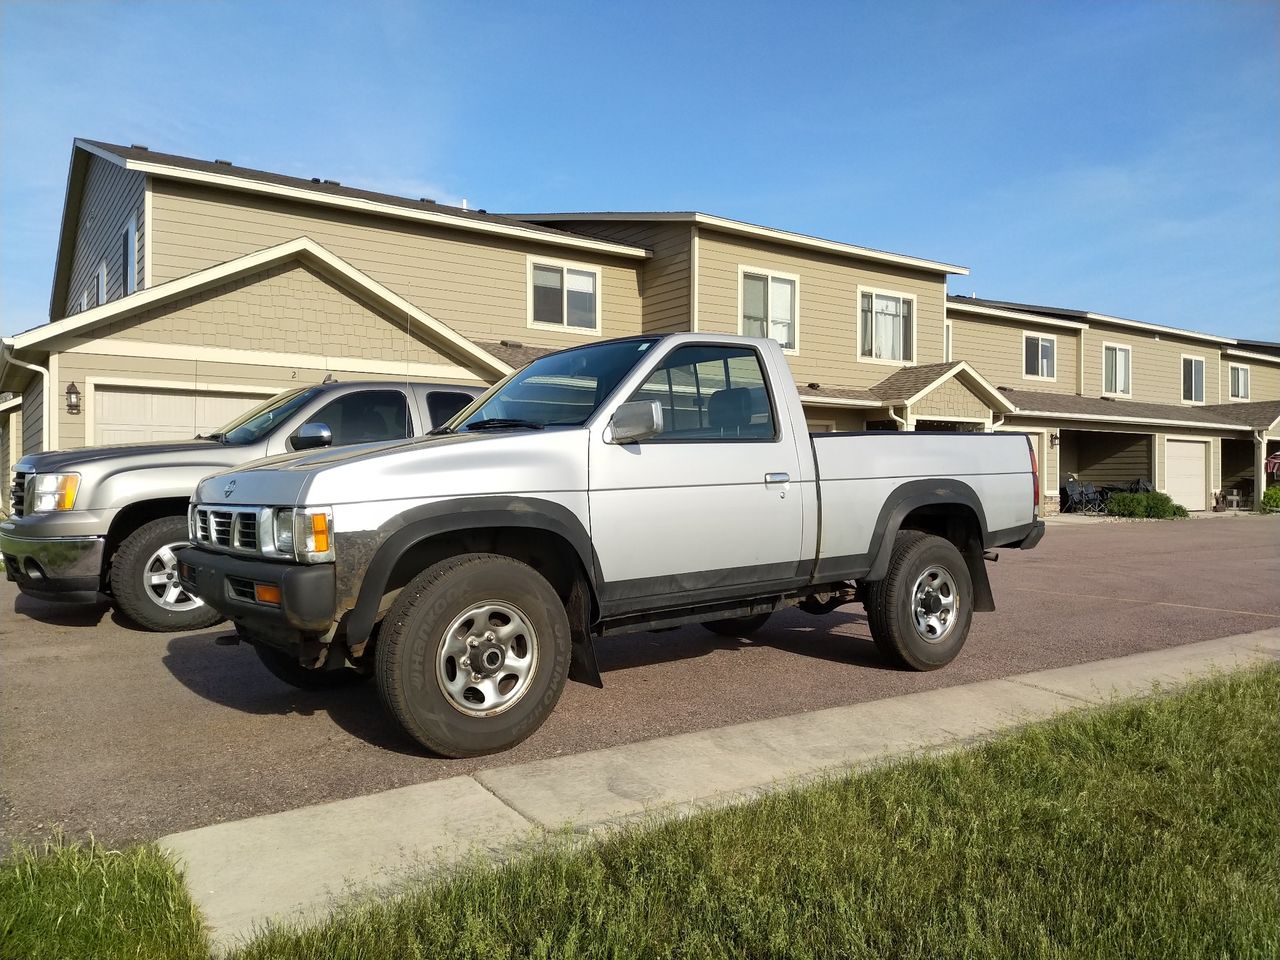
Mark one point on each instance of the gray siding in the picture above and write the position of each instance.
(111, 196)
(33, 416)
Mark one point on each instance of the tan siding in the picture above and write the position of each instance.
(8, 424)
(33, 416)
(476, 285)
(828, 307)
(842, 419)
(111, 196)
(1111, 458)
(994, 348)
(1157, 363)
(664, 278)
(950, 400)
(1236, 464)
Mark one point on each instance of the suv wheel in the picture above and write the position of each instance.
(144, 580)
(473, 655)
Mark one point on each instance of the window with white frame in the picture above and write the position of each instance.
(564, 296)
(887, 322)
(1116, 369)
(1192, 379)
(129, 257)
(946, 341)
(769, 307)
(101, 283)
(1239, 382)
(1039, 356)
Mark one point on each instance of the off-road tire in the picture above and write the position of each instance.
(287, 669)
(889, 602)
(410, 639)
(738, 626)
(129, 593)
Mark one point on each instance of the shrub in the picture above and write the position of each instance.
(1158, 506)
(1271, 499)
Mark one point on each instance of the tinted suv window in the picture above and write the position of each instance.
(711, 393)
(444, 405)
(365, 417)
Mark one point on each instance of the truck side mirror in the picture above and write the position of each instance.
(636, 421)
(313, 435)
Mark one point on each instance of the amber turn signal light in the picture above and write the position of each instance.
(266, 593)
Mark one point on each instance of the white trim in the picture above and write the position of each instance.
(693, 280)
(1153, 421)
(1248, 376)
(949, 342)
(753, 230)
(130, 232)
(1015, 315)
(13, 402)
(564, 265)
(1039, 336)
(263, 358)
(1250, 355)
(859, 290)
(769, 275)
(55, 405)
(1116, 393)
(100, 282)
(303, 248)
(148, 224)
(246, 185)
(6, 352)
(1182, 383)
(841, 402)
(91, 385)
(1158, 328)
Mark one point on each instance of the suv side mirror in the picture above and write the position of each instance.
(312, 435)
(636, 421)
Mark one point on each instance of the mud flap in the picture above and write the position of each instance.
(582, 659)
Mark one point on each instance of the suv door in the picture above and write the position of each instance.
(363, 416)
(705, 507)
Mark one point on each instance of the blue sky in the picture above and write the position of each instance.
(1119, 157)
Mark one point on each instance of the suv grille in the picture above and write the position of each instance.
(233, 528)
(18, 493)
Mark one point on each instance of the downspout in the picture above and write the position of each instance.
(6, 354)
(901, 423)
(1259, 468)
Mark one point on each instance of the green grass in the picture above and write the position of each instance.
(68, 901)
(1145, 830)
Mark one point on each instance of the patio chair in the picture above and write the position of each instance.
(1074, 500)
(1094, 502)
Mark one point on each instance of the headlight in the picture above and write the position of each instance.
(304, 534)
(49, 492)
(284, 531)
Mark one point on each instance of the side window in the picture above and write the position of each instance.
(365, 417)
(442, 405)
(711, 393)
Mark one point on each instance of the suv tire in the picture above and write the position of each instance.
(144, 583)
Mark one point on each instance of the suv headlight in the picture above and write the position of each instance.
(49, 492)
(304, 534)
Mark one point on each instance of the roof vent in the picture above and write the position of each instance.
(425, 200)
(333, 183)
(482, 210)
(511, 343)
(315, 179)
(1005, 389)
(815, 386)
(139, 146)
(224, 163)
(1112, 399)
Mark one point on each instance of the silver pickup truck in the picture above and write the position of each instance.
(624, 486)
(105, 520)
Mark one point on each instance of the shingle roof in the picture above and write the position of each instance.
(1068, 404)
(1260, 414)
(837, 393)
(515, 354)
(907, 382)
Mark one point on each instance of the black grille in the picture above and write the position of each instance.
(18, 494)
(246, 531)
(240, 588)
(234, 529)
(220, 527)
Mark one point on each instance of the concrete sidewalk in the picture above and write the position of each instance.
(299, 864)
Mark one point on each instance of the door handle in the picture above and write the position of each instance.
(777, 478)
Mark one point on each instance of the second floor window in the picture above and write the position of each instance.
(769, 307)
(1193, 379)
(1239, 382)
(1115, 369)
(565, 296)
(887, 323)
(129, 257)
(101, 283)
(1039, 356)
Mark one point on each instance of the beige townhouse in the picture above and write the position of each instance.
(187, 290)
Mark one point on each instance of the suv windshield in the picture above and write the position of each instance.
(262, 419)
(562, 389)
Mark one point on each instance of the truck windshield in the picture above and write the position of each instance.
(262, 419)
(563, 389)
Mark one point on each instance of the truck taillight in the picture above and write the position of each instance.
(1035, 476)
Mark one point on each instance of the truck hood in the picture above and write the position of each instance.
(153, 453)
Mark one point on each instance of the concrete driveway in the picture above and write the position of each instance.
(130, 736)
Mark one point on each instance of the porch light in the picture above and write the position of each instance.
(1054, 440)
(73, 398)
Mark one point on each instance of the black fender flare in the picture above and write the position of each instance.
(938, 491)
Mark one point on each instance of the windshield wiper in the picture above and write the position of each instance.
(439, 432)
(219, 437)
(494, 423)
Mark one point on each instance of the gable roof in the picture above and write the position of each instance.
(304, 250)
(909, 384)
(1072, 406)
(752, 230)
(1259, 414)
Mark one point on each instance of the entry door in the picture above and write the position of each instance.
(708, 504)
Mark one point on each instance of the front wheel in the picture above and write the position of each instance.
(144, 580)
(473, 655)
(920, 612)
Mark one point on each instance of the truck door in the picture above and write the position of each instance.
(707, 506)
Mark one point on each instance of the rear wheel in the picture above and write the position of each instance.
(738, 626)
(920, 612)
(144, 580)
(473, 655)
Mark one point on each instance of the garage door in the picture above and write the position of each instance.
(133, 415)
(1184, 466)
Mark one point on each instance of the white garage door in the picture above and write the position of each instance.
(133, 414)
(1184, 466)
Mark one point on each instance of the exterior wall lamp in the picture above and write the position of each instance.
(1054, 440)
(73, 398)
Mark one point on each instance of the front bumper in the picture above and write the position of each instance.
(67, 569)
(225, 582)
